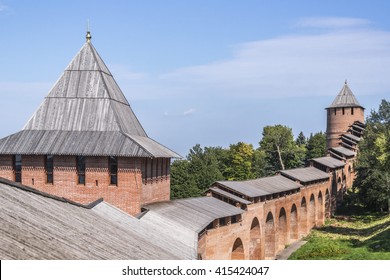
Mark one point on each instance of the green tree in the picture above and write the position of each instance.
(280, 148)
(259, 164)
(301, 139)
(182, 181)
(373, 165)
(193, 176)
(240, 160)
(316, 146)
(204, 167)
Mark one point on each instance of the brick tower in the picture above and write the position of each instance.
(84, 143)
(341, 114)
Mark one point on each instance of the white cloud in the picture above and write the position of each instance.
(332, 22)
(189, 112)
(295, 65)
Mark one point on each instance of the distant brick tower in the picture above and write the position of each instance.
(341, 114)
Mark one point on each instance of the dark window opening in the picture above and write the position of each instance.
(351, 111)
(163, 167)
(144, 169)
(168, 167)
(343, 111)
(49, 169)
(155, 168)
(335, 110)
(222, 222)
(81, 170)
(148, 168)
(113, 167)
(17, 165)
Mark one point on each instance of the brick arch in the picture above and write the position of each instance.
(345, 185)
(312, 211)
(339, 183)
(282, 229)
(294, 229)
(238, 250)
(320, 209)
(303, 218)
(255, 240)
(350, 179)
(269, 248)
(327, 204)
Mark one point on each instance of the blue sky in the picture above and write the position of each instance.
(208, 72)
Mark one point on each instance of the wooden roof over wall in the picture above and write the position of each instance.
(261, 187)
(305, 174)
(329, 162)
(38, 226)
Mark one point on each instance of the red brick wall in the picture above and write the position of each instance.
(129, 194)
(156, 190)
(33, 172)
(6, 170)
(156, 180)
(266, 240)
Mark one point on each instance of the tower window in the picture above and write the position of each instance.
(80, 162)
(49, 169)
(343, 111)
(335, 110)
(17, 166)
(113, 168)
(351, 111)
(144, 169)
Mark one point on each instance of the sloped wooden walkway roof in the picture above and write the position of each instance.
(38, 226)
(329, 162)
(84, 113)
(262, 186)
(343, 151)
(305, 174)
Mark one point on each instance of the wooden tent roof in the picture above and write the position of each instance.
(87, 113)
(345, 99)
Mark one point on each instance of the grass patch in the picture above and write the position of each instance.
(359, 237)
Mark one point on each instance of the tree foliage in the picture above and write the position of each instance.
(203, 166)
(316, 145)
(373, 165)
(182, 182)
(282, 152)
(240, 160)
(301, 139)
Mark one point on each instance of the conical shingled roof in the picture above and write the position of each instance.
(345, 99)
(86, 98)
(85, 113)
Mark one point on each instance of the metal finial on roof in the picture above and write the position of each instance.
(88, 36)
(346, 81)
